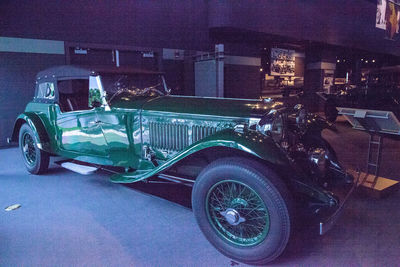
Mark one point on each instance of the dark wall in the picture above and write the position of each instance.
(337, 22)
(167, 23)
(186, 24)
(174, 71)
(17, 85)
(242, 81)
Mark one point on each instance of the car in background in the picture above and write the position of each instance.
(379, 91)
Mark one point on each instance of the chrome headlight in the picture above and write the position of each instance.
(272, 125)
(318, 158)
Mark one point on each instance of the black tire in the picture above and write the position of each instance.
(273, 213)
(36, 161)
(331, 112)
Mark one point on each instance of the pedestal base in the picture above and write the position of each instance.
(376, 187)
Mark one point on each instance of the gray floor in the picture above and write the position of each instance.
(67, 219)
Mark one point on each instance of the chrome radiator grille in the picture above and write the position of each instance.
(175, 137)
(169, 136)
(200, 132)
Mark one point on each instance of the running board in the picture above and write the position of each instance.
(81, 169)
(175, 179)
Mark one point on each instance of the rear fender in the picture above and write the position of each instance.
(37, 126)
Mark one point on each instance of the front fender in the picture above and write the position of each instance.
(37, 126)
(251, 142)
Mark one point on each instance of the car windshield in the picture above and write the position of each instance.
(135, 84)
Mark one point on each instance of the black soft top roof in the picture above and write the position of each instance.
(71, 71)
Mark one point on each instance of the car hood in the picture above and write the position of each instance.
(199, 105)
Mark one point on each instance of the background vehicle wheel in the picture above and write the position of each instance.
(331, 112)
(36, 160)
(243, 209)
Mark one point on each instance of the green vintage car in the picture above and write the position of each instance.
(253, 164)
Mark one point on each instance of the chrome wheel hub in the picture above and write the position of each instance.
(232, 216)
(25, 148)
(237, 213)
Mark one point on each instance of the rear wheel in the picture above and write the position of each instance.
(36, 161)
(243, 209)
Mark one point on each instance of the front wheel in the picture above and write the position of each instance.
(36, 160)
(243, 209)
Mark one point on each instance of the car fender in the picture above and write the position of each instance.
(250, 141)
(37, 126)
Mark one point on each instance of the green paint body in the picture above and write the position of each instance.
(117, 136)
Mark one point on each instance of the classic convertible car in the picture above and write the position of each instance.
(252, 164)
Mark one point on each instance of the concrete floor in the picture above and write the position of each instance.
(71, 220)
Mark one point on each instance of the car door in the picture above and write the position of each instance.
(78, 128)
(116, 126)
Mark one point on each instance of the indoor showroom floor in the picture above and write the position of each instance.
(67, 219)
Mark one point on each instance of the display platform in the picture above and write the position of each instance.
(374, 186)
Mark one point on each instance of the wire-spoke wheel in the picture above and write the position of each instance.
(36, 160)
(28, 149)
(237, 213)
(243, 209)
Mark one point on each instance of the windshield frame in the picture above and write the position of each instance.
(160, 88)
